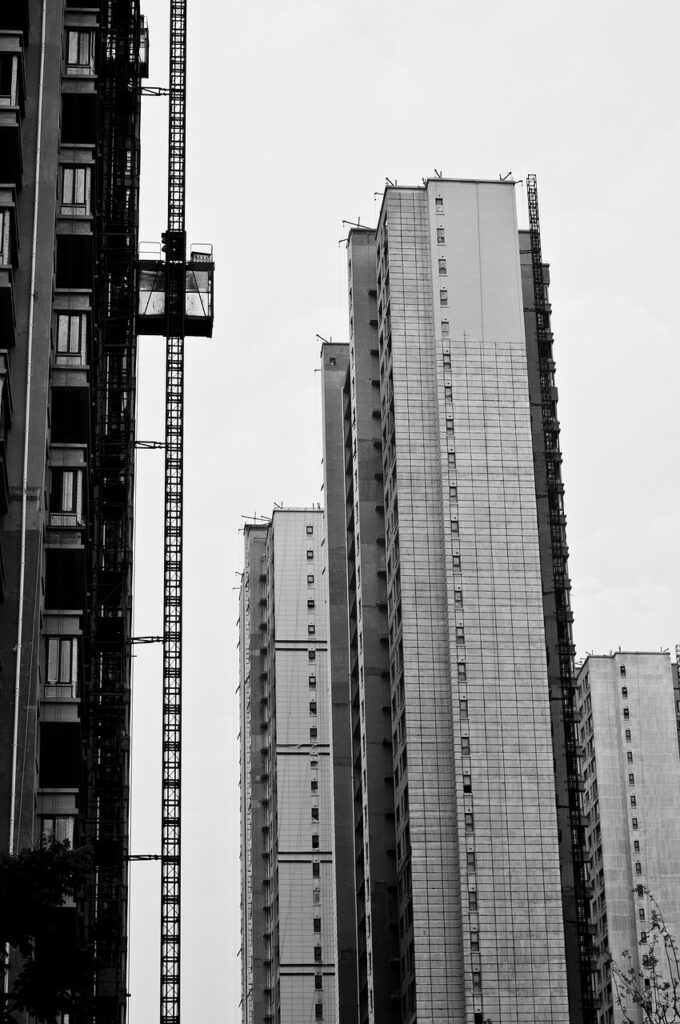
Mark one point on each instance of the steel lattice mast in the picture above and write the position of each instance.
(175, 247)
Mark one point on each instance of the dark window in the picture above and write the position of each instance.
(312, 681)
(311, 629)
(317, 954)
(315, 842)
(310, 603)
(317, 924)
(631, 778)
(624, 692)
(310, 530)
(316, 869)
(622, 670)
(315, 813)
(311, 655)
(318, 1011)
(635, 823)
(626, 712)
(313, 732)
(312, 707)
(310, 578)
(310, 554)
(318, 981)
(638, 867)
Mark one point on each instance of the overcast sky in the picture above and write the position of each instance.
(298, 111)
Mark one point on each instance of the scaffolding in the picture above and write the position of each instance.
(562, 586)
(106, 712)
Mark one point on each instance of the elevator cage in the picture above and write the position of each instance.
(198, 294)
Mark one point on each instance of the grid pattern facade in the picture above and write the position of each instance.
(466, 633)
(631, 772)
(288, 897)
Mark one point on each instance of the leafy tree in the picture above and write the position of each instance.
(34, 886)
(653, 987)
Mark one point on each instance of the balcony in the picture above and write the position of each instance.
(12, 98)
(198, 293)
(14, 17)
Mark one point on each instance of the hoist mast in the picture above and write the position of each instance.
(175, 260)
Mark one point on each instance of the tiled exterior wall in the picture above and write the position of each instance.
(286, 695)
(465, 614)
(632, 801)
(334, 366)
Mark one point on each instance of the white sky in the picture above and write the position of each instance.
(298, 109)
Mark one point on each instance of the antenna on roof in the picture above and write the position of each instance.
(437, 173)
(505, 178)
(392, 183)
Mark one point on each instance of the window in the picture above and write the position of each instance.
(310, 603)
(311, 629)
(75, 191)
(439, 204)
(633, 800)
(467, 783)
(313, 733)
(622, 670)
(454, 528)
(312, 681)
(463, 709)
(317, 924)
(641, 913)
(476, 979)
(441, 238)
(310, 554)
(57, 829)
(310, 578)
(79, 52)
(472, 898)
(643, 938)
(66, 497)
(311, 655)
(316, 869)
(71, 338)
(636, 846)
(631, 778)
(626, 713)
(629, 756)
(624, 692)
(456, 563)
(318, 1011)
(449, 423)
(312, 707)
(474, 942)
(442, 266)
(315, 842)
(317, 954)
(318, 981)
(628, 736)
(469, 822)
(62, 662)
(465, 745)
(460, 635)
(310, 529)
(640, 890)
(635, 823)
(445, 332)
(470, 861)
(314, 784)
(443, 297)
(5, 237)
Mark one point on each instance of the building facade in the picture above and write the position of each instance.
(470, 889)
(70, 75)
(288, 919)
(628, 732)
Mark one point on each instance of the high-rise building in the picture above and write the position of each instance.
(288, 947)
(70, 75)
(631, 773)
(468, 864)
